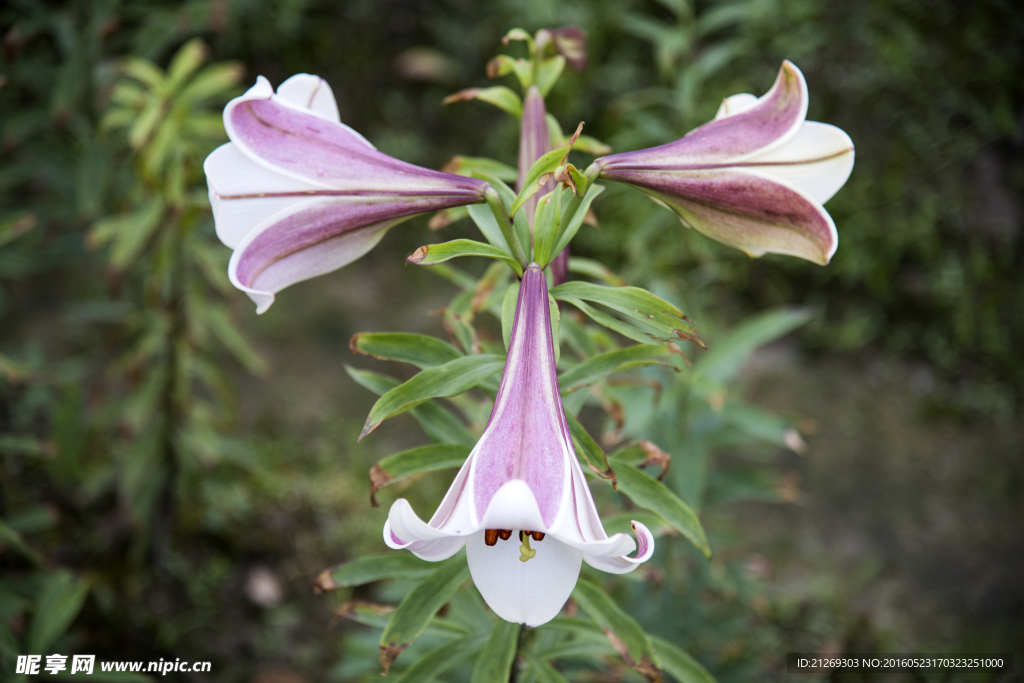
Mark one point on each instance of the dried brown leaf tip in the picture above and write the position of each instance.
(379, 478)
(462, 96)
(324, 582)
(656, 458)
(389, 653)
(418, 255)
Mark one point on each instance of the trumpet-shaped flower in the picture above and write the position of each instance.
(522, 484)
(755, 178)
(296, 193)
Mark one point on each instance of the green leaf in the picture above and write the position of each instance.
(546, 164)
(184, 63)
(13, 226)
(378, 616)
(495, 662)
(431, 254)
(548, 72)
(468, 166)
(573, 219)
(372, 568)
(612, 323)
(723, 362)
(437, 661)
(546, 221)
(450, 379)
(419, 349)
(544, 672)
(59, 602)
(500, 96)
(129, 234)
(591, 145)
(597, 368)
(14, 540)
(593, 455)
(419, 607)
(651, 494)
(625, 635)
(415, 461)
(594, 269)
(679, 664)
(439, 424)
(508, 312)
(484, 219)
(644, 308)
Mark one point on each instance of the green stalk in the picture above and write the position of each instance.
(505, 224)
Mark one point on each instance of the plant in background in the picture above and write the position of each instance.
(297, 194)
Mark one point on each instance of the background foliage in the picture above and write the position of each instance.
(176, 500)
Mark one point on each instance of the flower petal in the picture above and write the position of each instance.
(239, 189)
(534, 142)
(526, 437)
(621, 563)
(734, 104)
(431, 551)
(770, 123)
(312, 238)
(310, 92)
(747, 209)
(531, 592)
(329, 155)
(818, 160)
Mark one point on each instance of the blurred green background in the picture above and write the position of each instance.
(176, 470)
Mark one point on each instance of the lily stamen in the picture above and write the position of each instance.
(526, 553)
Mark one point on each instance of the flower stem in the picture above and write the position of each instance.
(505, 224)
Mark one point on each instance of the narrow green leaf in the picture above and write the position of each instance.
(546, 164)
(594, 269)
(571, 224)
(679, 664)
(495, 662)
(544, 672)
(372, 568)
(597, 368)
(508, 312)
(377, 615)
(467, 166)
(485, 221)
(546, 221)
(612, 323)
(59, 602)
(14, 540)
(593, 455)
(548, 72)
(624, 634)
(651, 494)
(724, 361)
(431, 254)
(419, 349)
(419, 607)
(500, 96)
(591, 145)
(437, 661)
(439, 424)
(450, 379)
(636, 303)
(415, 461)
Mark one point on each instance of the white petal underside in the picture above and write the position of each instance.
(531, 592)
(794, 161)
(312, 93)
(229, 174)
(734, 104)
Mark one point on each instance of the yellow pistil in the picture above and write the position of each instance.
(526, 553)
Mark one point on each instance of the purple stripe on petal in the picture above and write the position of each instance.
(526, 437)
(321, 221)
(770, 123)
(746, 210)
(331, 154)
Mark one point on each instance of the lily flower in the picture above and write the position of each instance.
(297, 193)
(521, 504)
(755, 178)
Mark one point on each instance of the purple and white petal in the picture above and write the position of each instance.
(818, 160)
(307, 91)
(768, 124)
